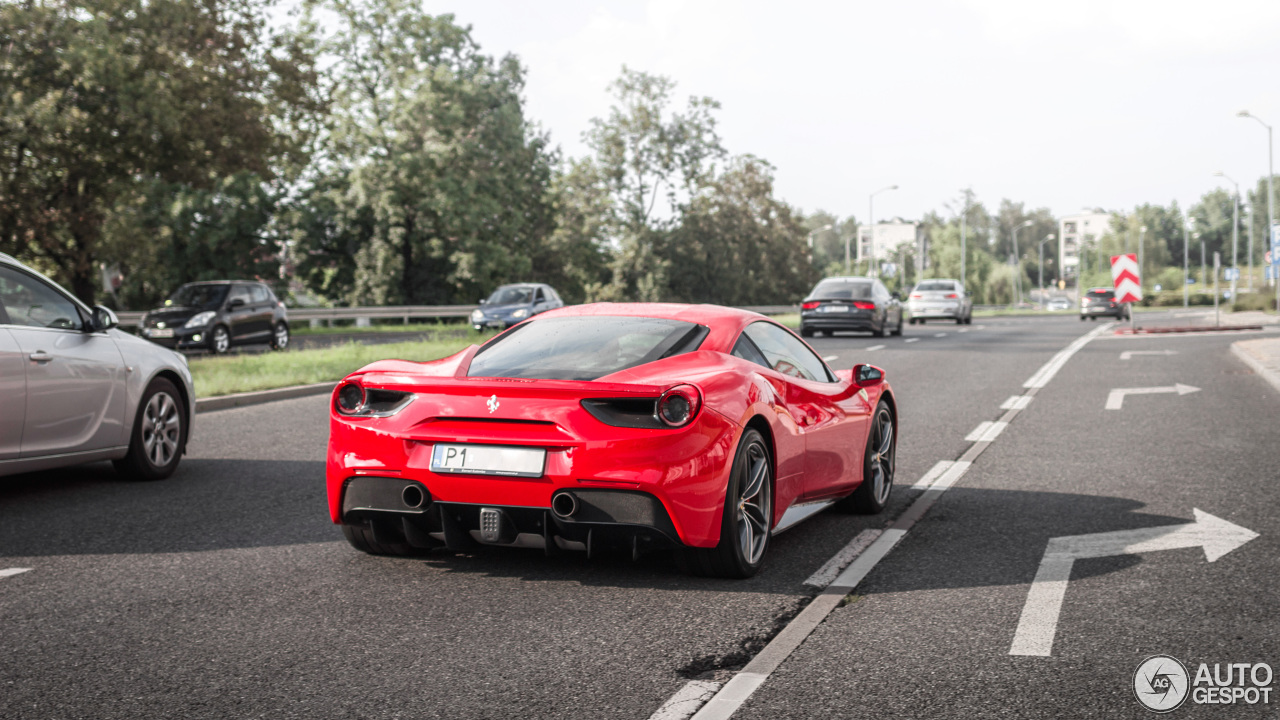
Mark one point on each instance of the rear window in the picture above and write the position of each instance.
(842, 290)
(936, 285)
(583, 348)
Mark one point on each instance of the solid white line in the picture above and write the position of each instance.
(831, 568)
(875, 347)
(687, 701)
(940, 335)
(7, 572)
(913, 340)
(1016, 402)
(731, 696)
(934, 473)
(1051, 368)
(1039, 622)
(829, 358)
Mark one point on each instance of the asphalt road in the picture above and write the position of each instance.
(226, 592)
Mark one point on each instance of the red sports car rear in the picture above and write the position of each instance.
(632, 426)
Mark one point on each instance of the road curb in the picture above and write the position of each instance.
(1256, 364)
(223, 402)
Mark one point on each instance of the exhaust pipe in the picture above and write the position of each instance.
(564, 504)
(413, 496)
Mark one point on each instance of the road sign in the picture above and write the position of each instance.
(1231, 274)
(1039, 621)
(1125, 278)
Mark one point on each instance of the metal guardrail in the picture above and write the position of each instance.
(410, 312)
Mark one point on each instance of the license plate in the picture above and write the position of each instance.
(162, 332)
(488, 460)
(834, 308)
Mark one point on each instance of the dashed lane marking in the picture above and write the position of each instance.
(831, 568)
(934, 473)
(726, 701)
(687, 701)
(1016, 402)
(940, 335)
(912, 340)
(987, 431)
(875, 347)
(9, 572)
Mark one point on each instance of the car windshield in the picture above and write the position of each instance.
(511, 296)
(936, 285)
(198, 296)
(842, 290)
(582, 348)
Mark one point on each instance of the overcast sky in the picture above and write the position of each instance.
(1060, 105)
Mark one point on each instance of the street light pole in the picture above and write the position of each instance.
(1042, 242)
(1235, 228)
(1252, 203)
(1186, 267)
(1271, 193)
(871, 228)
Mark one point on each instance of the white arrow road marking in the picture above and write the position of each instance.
(875, 347)
(687, 701)
(1039, 622)
(1128, 354)
(7, 572)
(912, 340)
(987, 431)
(1116, 398)
(1016, 402)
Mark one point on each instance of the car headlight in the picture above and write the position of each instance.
(477, 316)
(200, 319)
(521, 313)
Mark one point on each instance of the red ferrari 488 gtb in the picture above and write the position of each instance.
(633, 426)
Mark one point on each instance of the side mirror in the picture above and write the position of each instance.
(867, 375)
(235, 303)
(104, 319)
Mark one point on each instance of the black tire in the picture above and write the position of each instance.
(361, 538)
(872, 496)
(740, 529)
(1093, 318)
(912, 321)
(898, 330)
(968, 319)
(959, 320)
(806, 332)
(828, 333)
(280, 336)
(161, 420)
(219, 340)
(1082, 318)
(880, 331)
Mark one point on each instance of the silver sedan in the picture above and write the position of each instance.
(940, 300)
(75, 389)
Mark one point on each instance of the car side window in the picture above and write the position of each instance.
(259, 294)
(539, 297)
(747, 350)
(32, 303)
(785, 353)
(239, 292)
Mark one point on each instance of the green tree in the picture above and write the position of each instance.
(737, 244)
(103, 98)
(433, 176)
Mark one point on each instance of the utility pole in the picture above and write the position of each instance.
(963, 213)
(1186, 268)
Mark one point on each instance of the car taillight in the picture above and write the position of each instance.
(350, 399)
(810, 305)
(953, 295)
(864, 305)
(916, 296)
(678, 406)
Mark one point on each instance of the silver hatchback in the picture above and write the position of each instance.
(75, 389)
(940, 300)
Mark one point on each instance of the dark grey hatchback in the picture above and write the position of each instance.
(850, 303)
(216, 315)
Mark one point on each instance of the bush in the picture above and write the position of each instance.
(1254, 301)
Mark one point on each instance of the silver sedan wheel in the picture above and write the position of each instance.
(754, 505)
(161, 429)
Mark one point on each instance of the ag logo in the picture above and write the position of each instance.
(1161, 683)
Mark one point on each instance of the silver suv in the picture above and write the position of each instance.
(75, 389)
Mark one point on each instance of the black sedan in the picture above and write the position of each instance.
(851, 303)
(1101, 301)
(216, 315)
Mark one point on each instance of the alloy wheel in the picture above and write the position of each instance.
(754, 505)
(282, 336)
(883, 461)
(221, 341)
(161, 429)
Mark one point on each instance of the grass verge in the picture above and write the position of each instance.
(304, 328)
(215, 376)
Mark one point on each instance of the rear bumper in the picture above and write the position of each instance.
(626, 519)
(853, 320)
(1103, 311)
(685, 472)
